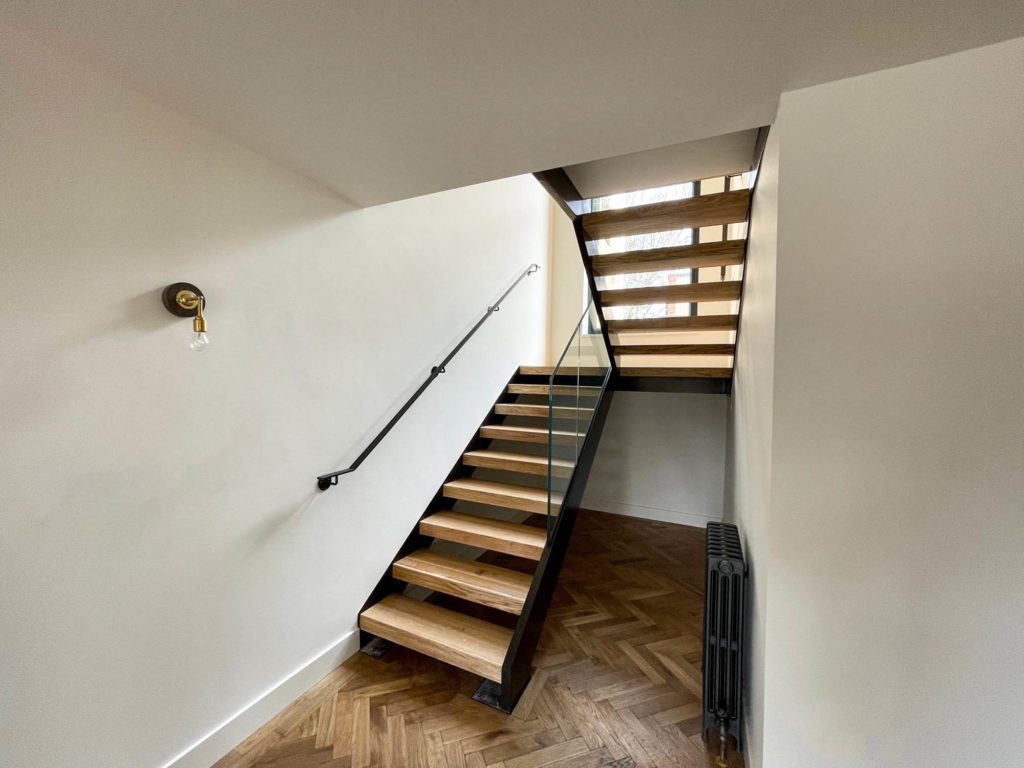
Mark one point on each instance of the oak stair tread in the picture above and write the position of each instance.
(496, 535)
(686, 323)
(546, 389)
(727, 290)
(718, 254)
(679, 372)
(700, 211)
(503, 495)
(517, 462)
(674, 349)
(523, 409)
(471, 644)
(564, 370)
(528, 434)
(481, 583)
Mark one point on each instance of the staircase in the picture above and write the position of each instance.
(665, 268)
(511, 499)
(472, 583)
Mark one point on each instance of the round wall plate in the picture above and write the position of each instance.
(169, 298)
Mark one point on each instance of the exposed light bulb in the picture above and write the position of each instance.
(200, 341)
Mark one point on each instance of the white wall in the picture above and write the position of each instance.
(164, 557)
(567, 284)
(897, 471)
(749, 455)
(661, 457)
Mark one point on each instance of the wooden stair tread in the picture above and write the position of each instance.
(674, 349)
(523, 409)
(497, 535)
(565, 370)
(694, 256)
(700, 211)
(528, 434)
(544, 389)
(676, 373)
(482, 583)
(728, 290)
(517, 462)
(462, 641)
(691, 323)
(501, 494)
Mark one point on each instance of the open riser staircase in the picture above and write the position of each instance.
(437, 597)
(472, 583)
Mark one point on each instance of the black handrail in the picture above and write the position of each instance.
(324, 482)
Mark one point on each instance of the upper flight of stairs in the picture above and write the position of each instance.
(667, 275)
(496, 500)
(699, 343)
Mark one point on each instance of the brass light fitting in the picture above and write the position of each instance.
(185, 300)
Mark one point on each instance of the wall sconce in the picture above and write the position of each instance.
(185, 300)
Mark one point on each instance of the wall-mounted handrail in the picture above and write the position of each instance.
(324, 482)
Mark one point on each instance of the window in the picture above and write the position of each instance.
(667, 239)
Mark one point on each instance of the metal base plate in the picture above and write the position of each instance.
(489, 693)
(376, 648)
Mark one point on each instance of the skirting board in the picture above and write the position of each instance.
(229, 734)
(751, 760)
(649, 513)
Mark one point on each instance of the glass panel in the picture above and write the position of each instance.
(573, 392)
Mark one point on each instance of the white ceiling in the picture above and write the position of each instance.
(386, 99)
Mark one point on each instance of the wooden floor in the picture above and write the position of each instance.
(617, 680)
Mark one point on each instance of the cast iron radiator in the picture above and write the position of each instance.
(725, 576)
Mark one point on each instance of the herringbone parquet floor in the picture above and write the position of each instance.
(617, 682)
